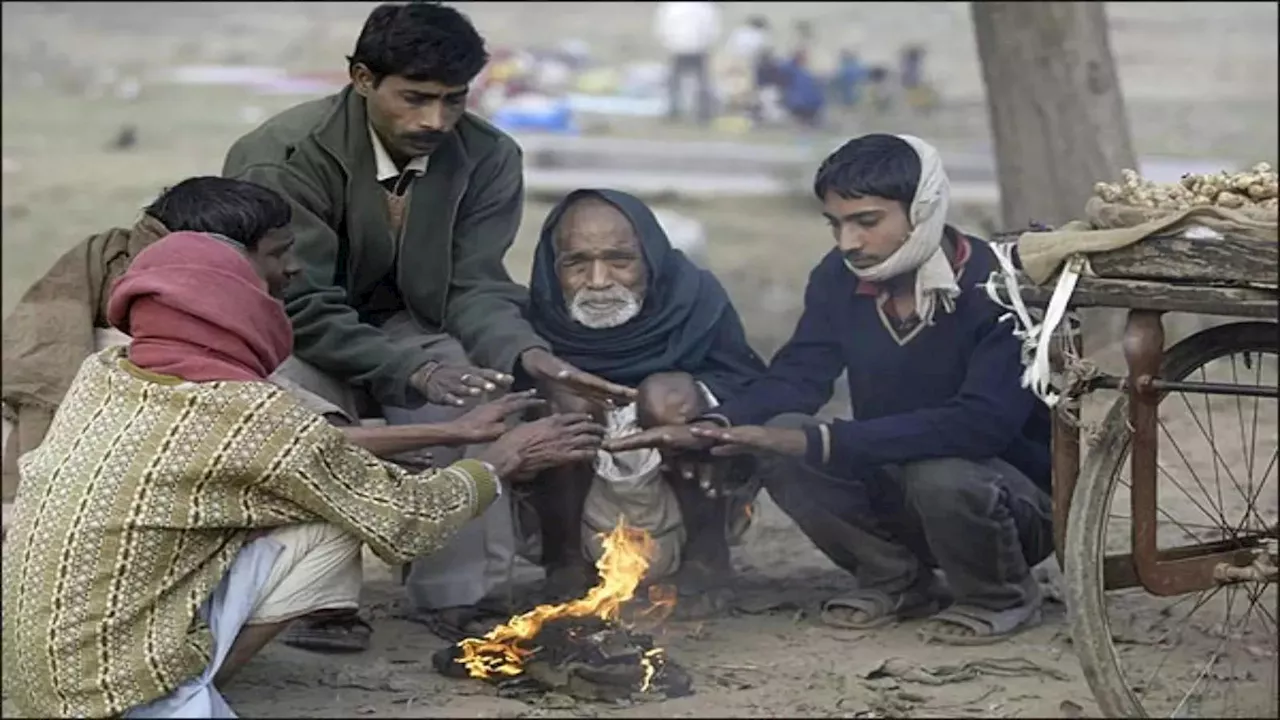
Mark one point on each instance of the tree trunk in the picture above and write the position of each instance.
(1058, 122)
(1057, 115)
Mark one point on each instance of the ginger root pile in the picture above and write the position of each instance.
(1254, 189)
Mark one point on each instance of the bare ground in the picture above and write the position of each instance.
(1201, 80)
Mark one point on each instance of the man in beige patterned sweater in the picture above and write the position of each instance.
(182, 510)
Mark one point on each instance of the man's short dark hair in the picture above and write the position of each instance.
(242, 211)
(420, 41)
(876, 165)
(758, 21)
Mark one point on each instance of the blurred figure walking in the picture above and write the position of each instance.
(746, 48)
(688, 31)
(917, 92)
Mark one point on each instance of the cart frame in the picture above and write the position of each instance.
(1161, 572)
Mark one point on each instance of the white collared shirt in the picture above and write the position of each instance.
(387, 167)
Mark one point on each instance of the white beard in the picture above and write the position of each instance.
(601, 309)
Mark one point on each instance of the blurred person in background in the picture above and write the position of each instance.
(946, 463)
(802, 48)
(688, 31)
(803, 95)
(404, 207)
(770, 80)
(612, 295)
(744, 51)
(848, 78)
(918, 94)
(878, 92)
(183, 510)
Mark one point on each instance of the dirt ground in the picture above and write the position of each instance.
(62, 63)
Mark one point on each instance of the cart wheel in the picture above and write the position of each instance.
(1211, 653)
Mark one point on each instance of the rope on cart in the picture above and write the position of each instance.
(1038, 337)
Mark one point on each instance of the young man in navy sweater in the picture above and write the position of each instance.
(946, 462)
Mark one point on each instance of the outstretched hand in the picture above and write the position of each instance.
(544, 367)
(487, 422)
(752, 438)
(677, 438)
(456, 385)
(554, 440)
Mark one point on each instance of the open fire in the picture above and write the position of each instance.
(582, 647)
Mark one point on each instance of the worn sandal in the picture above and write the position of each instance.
(966, 625)
(878, 608)
(341, 633)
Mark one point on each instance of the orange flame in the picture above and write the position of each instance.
(622, 566)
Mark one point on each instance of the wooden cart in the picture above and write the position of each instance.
(1212, 651)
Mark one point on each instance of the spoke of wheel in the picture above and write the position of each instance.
(1181, 526)
(1181, 455)
(1217, 457)
(1213, 658)
(1231, 667)
(1262, 609)
(1275, 640)
(1213, 444)
(1253, 499)
(1204, 597)
(1220, 519)
(1124, 460)
(1253, 445)
(1242, 626)
(1253, 601)
(1255, 593)
(1247, 446)
(1244, 445)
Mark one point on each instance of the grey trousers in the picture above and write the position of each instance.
(984, 524)
(482, 560)
(693, 65)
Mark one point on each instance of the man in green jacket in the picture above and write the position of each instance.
(404, 207)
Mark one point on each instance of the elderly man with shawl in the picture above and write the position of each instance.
(612, 297)
(183, 510)
(945, 463)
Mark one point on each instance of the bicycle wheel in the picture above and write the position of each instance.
(1211, 653)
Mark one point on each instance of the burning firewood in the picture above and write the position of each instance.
(580, 648)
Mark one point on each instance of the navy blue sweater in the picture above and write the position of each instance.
(951, 391)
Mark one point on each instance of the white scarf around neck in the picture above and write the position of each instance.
(935, 280)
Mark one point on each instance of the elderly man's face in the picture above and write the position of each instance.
(600, 265)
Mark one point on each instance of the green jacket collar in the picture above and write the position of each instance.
(344, 134)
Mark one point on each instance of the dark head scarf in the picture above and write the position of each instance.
(686, 323)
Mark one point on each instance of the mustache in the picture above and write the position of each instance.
(612, 295)
(426, 137)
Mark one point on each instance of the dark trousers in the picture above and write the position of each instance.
(694, 64)
(984, 524)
